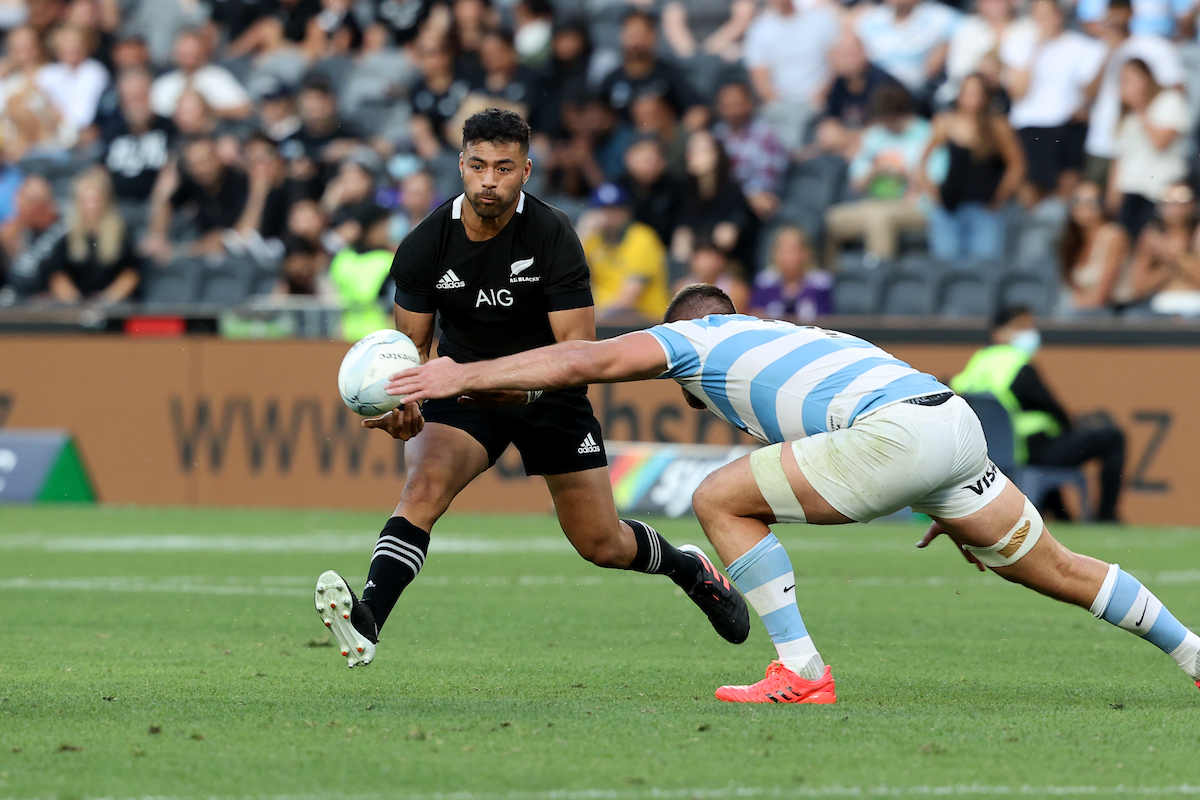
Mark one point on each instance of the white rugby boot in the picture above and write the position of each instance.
(350, 620)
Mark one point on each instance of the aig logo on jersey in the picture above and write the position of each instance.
(518, 267)
(494, 298)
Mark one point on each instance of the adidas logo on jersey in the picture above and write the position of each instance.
(450, 281)
(589, 445)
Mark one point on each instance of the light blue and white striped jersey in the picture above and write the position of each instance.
(778, 381)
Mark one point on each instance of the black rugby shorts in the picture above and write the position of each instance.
(556, 434)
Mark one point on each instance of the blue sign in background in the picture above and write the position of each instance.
(26, 460)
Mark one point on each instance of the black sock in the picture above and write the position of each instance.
(656, 556)
(399, 556)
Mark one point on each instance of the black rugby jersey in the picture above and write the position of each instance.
(492, 297)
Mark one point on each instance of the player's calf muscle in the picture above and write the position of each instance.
(1054, 571)
(606, 552)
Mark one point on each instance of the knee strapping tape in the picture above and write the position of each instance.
(1015, 544)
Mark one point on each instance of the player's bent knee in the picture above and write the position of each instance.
(427, 491)
(706, 501)
(1015, 544)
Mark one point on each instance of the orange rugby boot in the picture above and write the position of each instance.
(782, 686)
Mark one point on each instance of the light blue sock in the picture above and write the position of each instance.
(1126, 603)
(764, 575)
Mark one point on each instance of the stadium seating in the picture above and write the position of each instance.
(856, 291)
(908, 294)
(1032, 290)
(811, 187)
(966, 293)
(227, 283)
(176, 283)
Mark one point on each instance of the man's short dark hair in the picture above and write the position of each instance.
(503, 34)
(1007, 314)
(295, 246)
(1124, 5)
(498, 126)
(740, 83)
(539, 8)
(317, 82)
(647, 138)
(890, 100)
(197, 138)
(698, 300)
(632, 12)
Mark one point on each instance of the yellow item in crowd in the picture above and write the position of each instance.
(638, 255)
(358, 279)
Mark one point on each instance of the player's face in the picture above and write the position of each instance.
(493, 174)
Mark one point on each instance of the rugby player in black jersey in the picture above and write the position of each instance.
(506, 273)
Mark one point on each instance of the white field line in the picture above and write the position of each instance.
(319, 542)
(351, 542)
(735, 793)
(347, 541)
(300, 585)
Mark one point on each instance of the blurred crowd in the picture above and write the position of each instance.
(809, 156)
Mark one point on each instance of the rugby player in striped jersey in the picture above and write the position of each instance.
(854, 434)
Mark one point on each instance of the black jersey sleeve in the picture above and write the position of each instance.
(414, 267)
(568, 281)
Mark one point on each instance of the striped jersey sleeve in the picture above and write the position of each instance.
(778, 381)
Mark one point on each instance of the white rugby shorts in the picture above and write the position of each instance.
(933, 458)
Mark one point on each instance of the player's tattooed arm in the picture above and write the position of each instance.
(634, 356)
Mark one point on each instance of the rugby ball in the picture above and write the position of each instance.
(368, 365)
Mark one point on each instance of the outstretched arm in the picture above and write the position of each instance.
(632, 357)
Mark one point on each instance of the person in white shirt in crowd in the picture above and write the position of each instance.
(74, 82)
(12, 14)
(909, 39)
(786, 52)
(29, 119)
(975, 42)
(1047, 75)
(217, 85)
(1159, 54)
(707, 27)
(1151, 147)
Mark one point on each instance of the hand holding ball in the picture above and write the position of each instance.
(366, 368)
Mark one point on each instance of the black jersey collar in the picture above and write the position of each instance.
(456, 208)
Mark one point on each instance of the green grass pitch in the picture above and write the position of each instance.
(176, 653)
